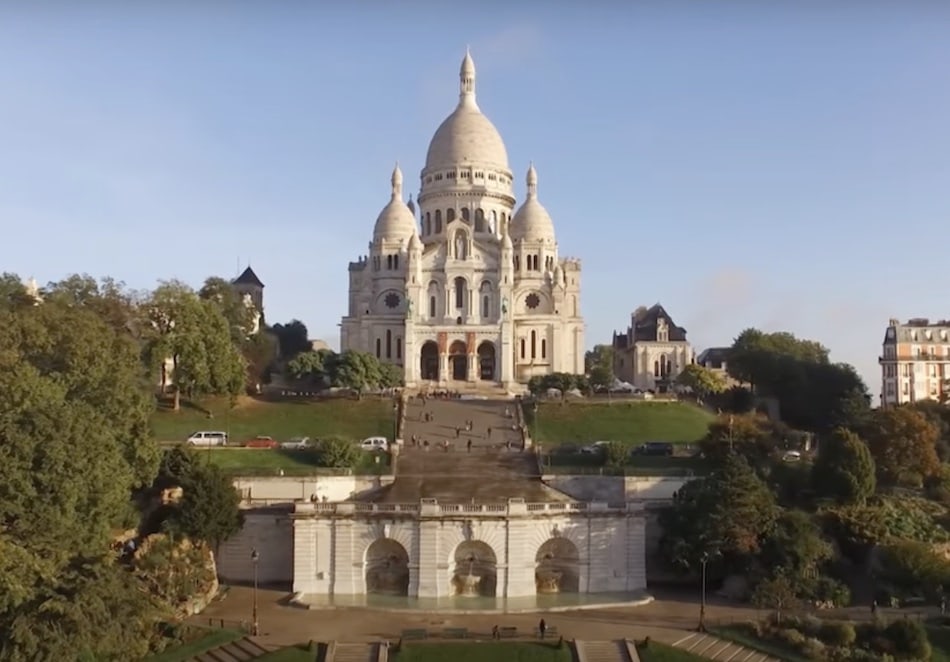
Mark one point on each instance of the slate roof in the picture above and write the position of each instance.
(713, 355)
(248, 277)
(643, 329)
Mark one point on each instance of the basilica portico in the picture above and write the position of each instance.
(463, 286)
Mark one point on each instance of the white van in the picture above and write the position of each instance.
(374, 444)
(205, 438)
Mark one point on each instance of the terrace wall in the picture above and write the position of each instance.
(617, 489)
(288, 489)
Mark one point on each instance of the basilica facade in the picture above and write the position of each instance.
(466, 286)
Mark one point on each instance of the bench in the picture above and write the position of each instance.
(549, 631)
(507, 632)
(414, 635)
(455, 633)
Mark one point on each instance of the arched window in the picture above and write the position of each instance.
(534, 344)
(379, 353)
(399, 348)
(428, 225)
(449, 215)
(493, 223)
(465, 214)
(460, 293)
(396, 262)
(517, 263)
(438, 221)
(544, 348)
(486, 306)
(669, 368)
(656, 368)
(432, 306)
(389, 344)
(522, 348)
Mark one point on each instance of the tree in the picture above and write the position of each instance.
(777, 593)
(755, 355)
(73, 423)
(209, 509)
(259, 352)
(338, 454)
(359, 371)
(615, 454)
(109, 299)
(731, 509)
(701, 381)
(751, 435)
(601, 356)
(13, 292)
(903, 444)
(310, 366)
(196, 336)
(240, 316)
(796, 545)
(844, 470)
(292, 338)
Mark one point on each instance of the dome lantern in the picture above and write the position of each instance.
(396, 221)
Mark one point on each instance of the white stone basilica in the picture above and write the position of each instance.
(466, 289)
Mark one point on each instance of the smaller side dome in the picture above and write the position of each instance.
(532, 222)
(396, 221)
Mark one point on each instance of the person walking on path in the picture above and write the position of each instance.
(469, 445)
(542, 628)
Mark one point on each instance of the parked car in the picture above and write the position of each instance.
(296, 443)
(261, 442)
(661, 448)
(595, 448)
(792, 456)
(205, 438)
(375, 444)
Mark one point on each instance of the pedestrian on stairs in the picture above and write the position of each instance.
(542, 628)
(469, 445)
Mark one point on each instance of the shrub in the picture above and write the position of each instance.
(829, 590)
(813, 649)
(909, 638)
(790, 636)
(837, 633)
(338, 454)
(810, 625)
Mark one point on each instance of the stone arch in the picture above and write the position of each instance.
(474, 569)
(386, 567)
(449, 215)
(485, 296)
(486, 361)
(459, 293)
(557, 566)
(429, 361)
(458, 361)
(435, 297)
(479, 220)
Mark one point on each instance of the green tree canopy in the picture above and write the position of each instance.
(241, 318)
(74, 409)
(701, 381)
(292, 338)
(903, 443)
(731, 511)
(844, 470)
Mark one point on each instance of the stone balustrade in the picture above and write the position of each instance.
(432, 508)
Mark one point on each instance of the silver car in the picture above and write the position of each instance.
(297, 443)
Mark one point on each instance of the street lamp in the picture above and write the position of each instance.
(255, 557)
(395, 419)
(704, 559)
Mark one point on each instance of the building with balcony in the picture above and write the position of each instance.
(915, 362)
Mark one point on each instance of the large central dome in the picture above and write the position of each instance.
(467, 137)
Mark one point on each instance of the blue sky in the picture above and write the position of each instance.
(784, 165)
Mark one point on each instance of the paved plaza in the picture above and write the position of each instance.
(492, 469)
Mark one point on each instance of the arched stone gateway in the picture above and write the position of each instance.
(475, 571)
(429, 361)
(558, 567)
(458, 361)
(486, 361)
(387, 568)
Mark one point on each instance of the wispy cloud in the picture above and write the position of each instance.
(512, 46)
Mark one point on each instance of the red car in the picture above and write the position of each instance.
(261, 442)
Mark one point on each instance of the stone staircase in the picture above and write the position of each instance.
(604, 651)
(236, 651)
(353, 653)
(713, 648)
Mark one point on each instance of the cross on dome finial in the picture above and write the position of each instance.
(532, 180)
(467, 78)
(397, 182)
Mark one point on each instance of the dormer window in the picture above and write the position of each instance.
(662, 331)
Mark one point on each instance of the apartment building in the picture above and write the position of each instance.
(915, 362)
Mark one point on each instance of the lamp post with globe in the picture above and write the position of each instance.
(255, 629)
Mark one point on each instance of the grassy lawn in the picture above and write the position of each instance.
(579, 464)
(629, 422)
(743, 638)
(940, 642)
(212, 639)
(349, 419)
(268, 462)
(483, 652)
(657, 652)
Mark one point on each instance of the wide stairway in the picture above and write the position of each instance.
(354, 653)
(492, 469)
(236, 651)
(603, 651)
(714, 648)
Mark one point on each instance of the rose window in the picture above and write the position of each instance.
(532, 301)
(392, 300)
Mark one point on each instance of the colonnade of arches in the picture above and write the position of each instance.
(481, 220)
(457, 301)
(473, 569)
(458, 362)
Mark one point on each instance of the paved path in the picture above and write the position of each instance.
(492, 470)
(713, 648)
